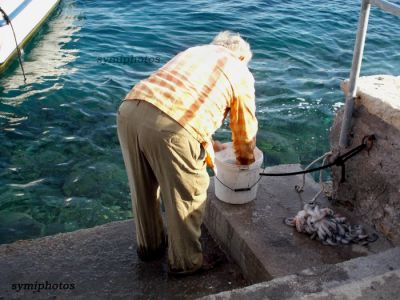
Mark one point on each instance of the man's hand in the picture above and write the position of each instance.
(218, 146)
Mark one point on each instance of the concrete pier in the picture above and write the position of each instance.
(101, 262)
(255, 236)
(373, 177)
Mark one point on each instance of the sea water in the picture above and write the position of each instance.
(61, 167)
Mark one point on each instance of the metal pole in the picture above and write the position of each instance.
(355, 72)
(387, 6)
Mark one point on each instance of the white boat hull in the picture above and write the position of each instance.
(26, 17)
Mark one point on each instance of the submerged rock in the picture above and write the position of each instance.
(106, 182)
(15, 226)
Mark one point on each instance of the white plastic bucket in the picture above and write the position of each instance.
(244, 179)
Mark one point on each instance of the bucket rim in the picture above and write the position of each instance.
(255, 165)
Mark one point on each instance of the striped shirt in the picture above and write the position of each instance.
(198, 88)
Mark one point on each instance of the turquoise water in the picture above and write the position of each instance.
(60, 164)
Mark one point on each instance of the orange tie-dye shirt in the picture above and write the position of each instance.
(198, 88)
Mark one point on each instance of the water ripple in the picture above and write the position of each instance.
(58, 132)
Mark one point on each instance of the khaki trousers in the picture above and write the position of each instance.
(161, 156)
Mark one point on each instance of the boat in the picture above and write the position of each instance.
(26, 17)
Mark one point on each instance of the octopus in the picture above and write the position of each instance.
(329, 228)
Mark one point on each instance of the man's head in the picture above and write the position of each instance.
(235, 43)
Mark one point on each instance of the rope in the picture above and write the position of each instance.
(299, 189)
(340, 160)
(8, 21)
(367, 142)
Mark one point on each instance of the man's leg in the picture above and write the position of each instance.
(178, 163)
(143, 185)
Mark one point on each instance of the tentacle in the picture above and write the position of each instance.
(327, 227)
(289, 221)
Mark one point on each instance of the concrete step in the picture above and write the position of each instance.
(385, 286)
(372, 277)
(101, 263)
(255, 236)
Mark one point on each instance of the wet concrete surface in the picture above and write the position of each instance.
(264, 247)
(101, 263)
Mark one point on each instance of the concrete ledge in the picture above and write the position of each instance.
(380, 95)
(254, 235)
(385, 286)
(372, 277)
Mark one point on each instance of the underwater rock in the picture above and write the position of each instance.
(34, 164)
(54, 228)
(82, 212)
(15, 226)
(102, 181)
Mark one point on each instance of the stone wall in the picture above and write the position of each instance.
(372, 185)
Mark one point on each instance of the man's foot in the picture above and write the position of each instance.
(208, 264)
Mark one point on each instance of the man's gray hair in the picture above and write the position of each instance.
(234, 42)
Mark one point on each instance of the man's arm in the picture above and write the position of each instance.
(243, 121)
